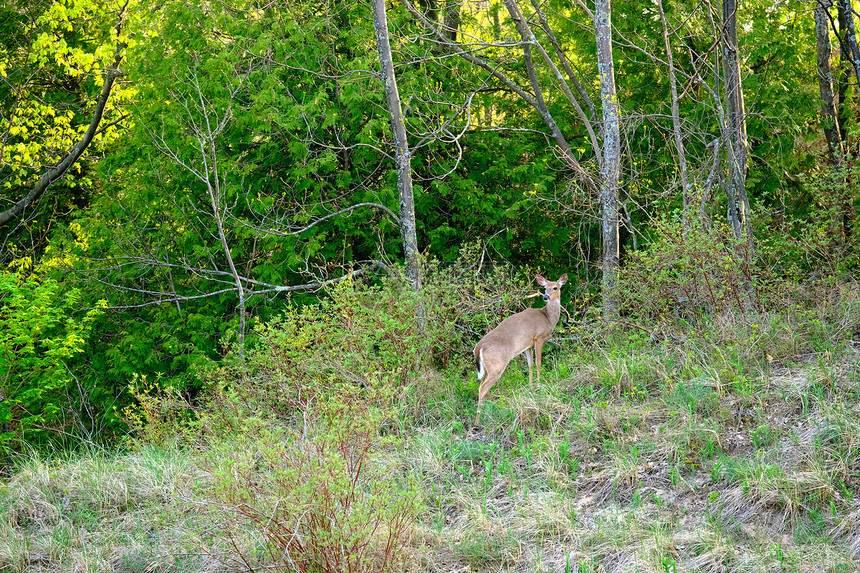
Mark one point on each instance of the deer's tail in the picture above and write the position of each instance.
(479, 363)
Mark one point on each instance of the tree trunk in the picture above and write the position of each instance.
(843, 72)
(736, 144)
(849, 64)
(213, 188)
(851, 50)
(846, 73)
(610, 168)
(401, 147)
(829, 120)
(676, 122)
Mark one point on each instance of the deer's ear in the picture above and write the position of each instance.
(562, 280)
(541, 281)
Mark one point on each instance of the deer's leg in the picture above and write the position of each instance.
(528, 354)
(484, 389)
(538, 351)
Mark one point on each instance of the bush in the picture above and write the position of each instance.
(39, 332)
(317, 496)
(686, 273)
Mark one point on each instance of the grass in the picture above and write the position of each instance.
(97, 511)
(732, 448)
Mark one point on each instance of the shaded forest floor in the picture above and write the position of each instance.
(734, 448)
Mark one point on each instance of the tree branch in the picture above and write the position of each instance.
(55, 173)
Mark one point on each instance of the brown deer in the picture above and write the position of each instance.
(517, 334)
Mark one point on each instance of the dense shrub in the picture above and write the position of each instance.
(40, 330)
(687, 272)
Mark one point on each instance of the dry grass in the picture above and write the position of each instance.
(101, 512)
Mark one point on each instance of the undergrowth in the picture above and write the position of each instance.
(726, 442)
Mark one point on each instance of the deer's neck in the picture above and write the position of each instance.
(553, 311)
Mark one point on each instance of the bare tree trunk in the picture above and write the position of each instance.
(825, 80)
(402, 154)
(213, 188)
(676, 121)
(846, 71)
(610, 168)
(736, 145)
(207, 124)
(852, 50)
(207, 135)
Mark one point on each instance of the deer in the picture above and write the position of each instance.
(517, 334)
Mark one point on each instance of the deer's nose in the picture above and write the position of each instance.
(545, 296)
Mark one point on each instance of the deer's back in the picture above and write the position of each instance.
(516, 333)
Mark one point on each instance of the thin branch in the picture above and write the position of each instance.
(526, 33)
(173, 298)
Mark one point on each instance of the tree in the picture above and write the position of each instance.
(610, 169)
(45, 130)
(835, 104)
(402, 156)
(829, 121)
(205, 125)
(736, 142)
(677, 133)
(850, 49)
(303, 155)
(849, 63)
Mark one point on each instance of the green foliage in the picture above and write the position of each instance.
(362, 335)
(687, 272)
(818, 234)
(735, 382)
(153, 237)
(40, 331)
(52, 58)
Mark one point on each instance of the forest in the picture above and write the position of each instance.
(253, 242)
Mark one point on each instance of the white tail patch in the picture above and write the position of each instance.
(480, 364)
